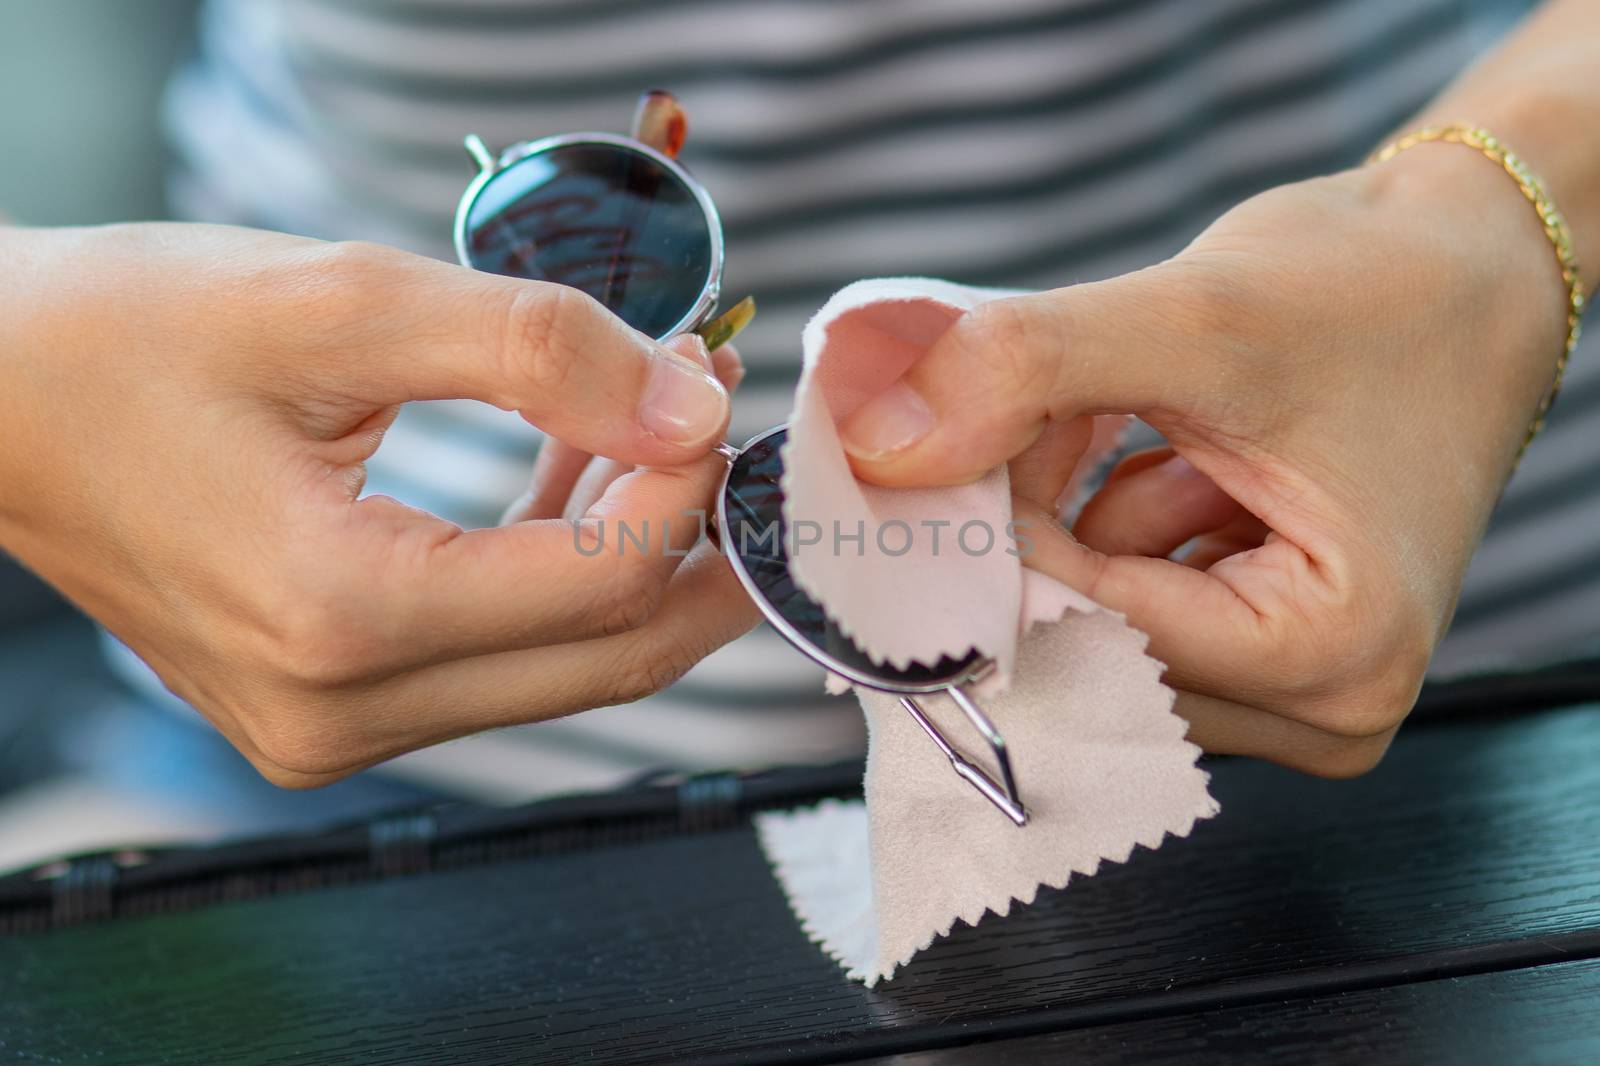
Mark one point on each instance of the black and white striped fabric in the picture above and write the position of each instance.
(1027, 143)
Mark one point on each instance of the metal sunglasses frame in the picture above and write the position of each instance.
(491, 166)
(1003, 793)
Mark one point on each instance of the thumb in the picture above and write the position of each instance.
(985, 390)
(550, 352)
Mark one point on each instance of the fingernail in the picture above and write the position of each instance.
(694, 346)
(682, 403)
(890, 422)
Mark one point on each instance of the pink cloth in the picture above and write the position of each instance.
(1101, 759)
(934, 599)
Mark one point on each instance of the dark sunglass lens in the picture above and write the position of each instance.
(603, 218)
(754, 533)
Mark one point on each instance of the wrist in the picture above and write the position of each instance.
(1550, 129)
(1495, 277)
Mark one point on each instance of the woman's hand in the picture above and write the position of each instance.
(1344, 368)
(187, 410)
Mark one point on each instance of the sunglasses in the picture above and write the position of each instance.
(609, 215)
(752, 533)
(626, 223)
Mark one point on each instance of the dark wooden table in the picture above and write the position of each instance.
(1445, 908)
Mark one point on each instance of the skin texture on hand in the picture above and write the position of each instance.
(1344, 369)
(188, 410)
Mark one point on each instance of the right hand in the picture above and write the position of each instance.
(1343, 368)
(188, 409)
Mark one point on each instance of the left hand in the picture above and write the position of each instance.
(567, 481)
(1344, 368)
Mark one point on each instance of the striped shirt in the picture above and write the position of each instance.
(1026, 143)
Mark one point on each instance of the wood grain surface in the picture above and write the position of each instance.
(1474, 849)
(1531, 1017)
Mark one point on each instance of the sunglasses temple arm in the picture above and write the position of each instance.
(997, 743)
(479, 152)
(728, 325)
(1006, 798)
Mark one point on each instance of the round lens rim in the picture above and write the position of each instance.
(701, 310)
(967, 671)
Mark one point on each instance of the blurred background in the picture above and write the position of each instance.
(93, 753)
(80, 87)
(80, 142)
(89, 757)
(1094, 138)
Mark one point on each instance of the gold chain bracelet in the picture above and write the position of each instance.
(1555, 227)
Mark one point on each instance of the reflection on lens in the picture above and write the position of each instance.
(603, 218)
(754, 534)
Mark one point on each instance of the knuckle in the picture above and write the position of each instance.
(295, 750)
(1317, 668)
(1349, 758)
(1356, 677)
(331, 289)
(649, 667)
(1224, 319)
(319, 644)
(1360, 716)
(630, 593)
(1318, 642)
(1389, 651)
(633, 682)
(542, 331)
(359, 259)
(1000, 340)
(1213, 299)
(1346, 661)
(1225, 301)
(293, 780)
(1393, 678)
(625, 616)
(351, 273)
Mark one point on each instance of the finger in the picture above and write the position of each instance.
(559, 466)
(443, 593)
(725, 363)
(1223, 727)
(983, 391)
(431, 330)
(693, 346)
(556, 470)
(1140, 460)
(1153, 510)
(1162, 598)
(703, 608)
(361, 441)
(601, 473)
(239, 721)
(1042, 471)
(728, 365)
(237, 734)
(1244, 533)
(597, 478)
(1105, 440)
